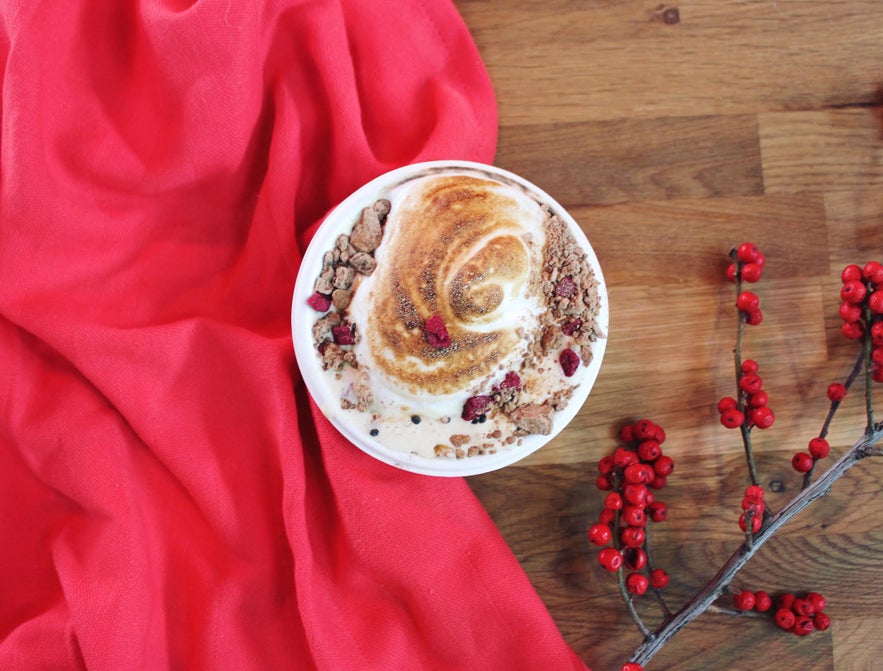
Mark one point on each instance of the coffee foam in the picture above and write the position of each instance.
(467, 248)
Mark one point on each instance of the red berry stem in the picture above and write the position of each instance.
(703, 600)
(835, 404)
(663, 604)
(630, 604)
(744, 428)
(869, 397)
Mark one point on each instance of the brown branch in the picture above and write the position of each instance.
(705, 598)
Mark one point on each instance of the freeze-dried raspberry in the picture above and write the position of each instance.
(475, 407)
(569, 361)
(343, 334)
(511, 381)
(319, 302)
(566, 287)
(571, 326)
(435, 333)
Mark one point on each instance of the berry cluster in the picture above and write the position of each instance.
(630, 475)
(747, 266)
(752, 403)
(753, 507)
(801, 615)
(862, 309)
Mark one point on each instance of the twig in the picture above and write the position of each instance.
(706, 597)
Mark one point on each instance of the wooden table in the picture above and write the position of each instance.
(672, 133)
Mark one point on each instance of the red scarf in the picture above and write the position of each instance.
(169, 497)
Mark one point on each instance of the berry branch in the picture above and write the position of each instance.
(638, 469)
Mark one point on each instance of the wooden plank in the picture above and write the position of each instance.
(643, 159)
(822, 150)
(573, 60)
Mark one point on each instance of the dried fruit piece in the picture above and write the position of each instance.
(436, 333)
(476, 407)
(566, 287)
(319, 302)
(343, 334)
(569, 361)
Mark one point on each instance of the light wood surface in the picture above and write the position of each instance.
(673, 132)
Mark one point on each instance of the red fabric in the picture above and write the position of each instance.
(169, 498)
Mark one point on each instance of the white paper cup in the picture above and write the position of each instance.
(351, 422)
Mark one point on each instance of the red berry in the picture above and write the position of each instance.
(758, 400)
(631, 666)
(875, 302)
(732, 419)
(607, 516)
(645, 429)
(649, 450)
(836, 391)
(756, 522)
(569, 361)
(634, 473)
(850, 312)
(877, 355)
(803, 607)
(659, 434)
(821, 621)
(613, 501)
(731, 272)
(627, 433)
(785, 618)
(749, 366)
(603, 483)
(877, 333)
(664, 466)
(435, 333)
(600, 534)
(852, 330)
(610, 559)
(873, 272)
(851, 273)
(762, 602)
(743, 600)
(634, 516)
(853, 291)
(762, 418)
(747, 301)
(657, 511)
(727, 403)
(818, 601)
(819, 448)
(754, 317)
(785, 601)
(636, 583)
(634, 558)
(622, 457)
(803, 625)
(747, 252)
(606, 465)
(751, 272)
(755, 493)
(802, 462)
(658, 578)
(634, 493)
(751, 383)
(658, 482)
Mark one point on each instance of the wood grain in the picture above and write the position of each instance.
(673, 132)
